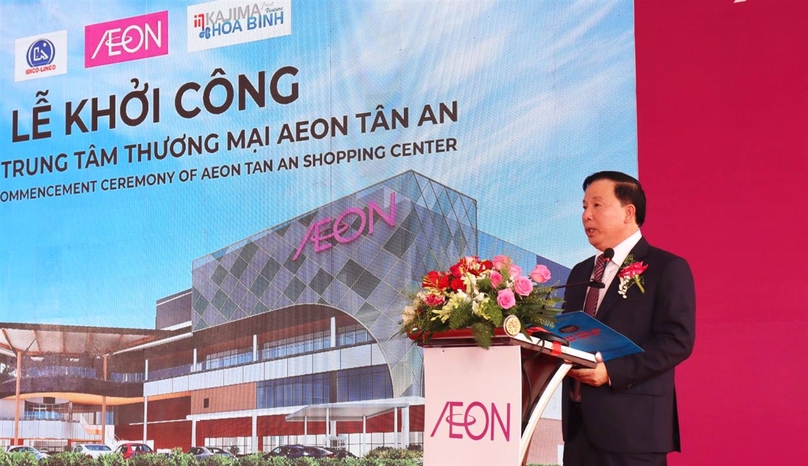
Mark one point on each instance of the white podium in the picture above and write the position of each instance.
(483, 406)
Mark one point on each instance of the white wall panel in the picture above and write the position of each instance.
(254, 372)
(275, 369)
(356, 356)
(233, 375)
(181, 384)
(158, 387)
(213, 379)
(300, 365)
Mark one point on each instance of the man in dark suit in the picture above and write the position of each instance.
(623, 412)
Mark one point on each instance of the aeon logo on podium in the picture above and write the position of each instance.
(472, 413)
(476, 420)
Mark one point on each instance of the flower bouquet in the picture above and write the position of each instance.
(478, 295)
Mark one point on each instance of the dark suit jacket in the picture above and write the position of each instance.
(637, 412)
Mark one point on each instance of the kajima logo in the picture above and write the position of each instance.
(236, 19)
(221, 23)
(126, 39)
(40, 53)
(475, 421)
(322, 231)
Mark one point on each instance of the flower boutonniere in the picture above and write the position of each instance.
(631, 274)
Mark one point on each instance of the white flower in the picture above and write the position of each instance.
(446, 311)
(478, 304)
(460, 297)
(624, 284)
(408, 315)
(443, 313)
(471, 283)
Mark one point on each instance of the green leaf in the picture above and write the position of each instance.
(495, 313)
(461, 317)
(483, 333)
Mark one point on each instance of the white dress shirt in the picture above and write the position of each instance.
(621, 251)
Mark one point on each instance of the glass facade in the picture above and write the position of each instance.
(352, 335)
(363, 254)
(299, 344)
(233, 357)
(294, 391)
(364, 383)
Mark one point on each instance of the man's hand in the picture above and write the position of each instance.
(596, 376)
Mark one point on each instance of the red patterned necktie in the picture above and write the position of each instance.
(591, 308)
(591, 302)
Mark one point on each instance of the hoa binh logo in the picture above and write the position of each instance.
(222, 23)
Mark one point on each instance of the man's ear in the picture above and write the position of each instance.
(631, 213)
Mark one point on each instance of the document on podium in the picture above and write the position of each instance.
(585, 333)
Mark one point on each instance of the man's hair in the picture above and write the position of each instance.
(626, 188)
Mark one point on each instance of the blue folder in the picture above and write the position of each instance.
(585, 333)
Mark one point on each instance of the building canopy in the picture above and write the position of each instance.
(347, 411)
(41, 339)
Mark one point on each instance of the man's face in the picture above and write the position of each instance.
(606, 222)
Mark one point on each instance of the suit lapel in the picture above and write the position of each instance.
(639, 251)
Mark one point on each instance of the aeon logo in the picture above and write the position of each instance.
(322, 231)
(40, 53)
(126, 39)
(476, 421)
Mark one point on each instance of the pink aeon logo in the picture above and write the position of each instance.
(322, 231)
(126, 39)
(477, 420)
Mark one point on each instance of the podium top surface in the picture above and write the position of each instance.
(463, 338)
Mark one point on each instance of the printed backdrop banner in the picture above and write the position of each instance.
(256, 152)
(135, 154)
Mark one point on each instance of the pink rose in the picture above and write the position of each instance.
(522, 286)
(496, 278)
(540, 273)
(514, 271)
(501, 261)
(505, 298)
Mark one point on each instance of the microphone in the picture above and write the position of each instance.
(608, 253)
(590, 283)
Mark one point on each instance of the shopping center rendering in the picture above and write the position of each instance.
(287, 336)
